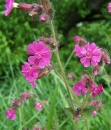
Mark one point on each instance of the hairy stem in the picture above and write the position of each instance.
(61, 67)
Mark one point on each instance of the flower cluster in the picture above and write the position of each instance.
(86, 83)
(11, 112)
(98, 105)
(90, 54)
(38, 60)
(34, 10)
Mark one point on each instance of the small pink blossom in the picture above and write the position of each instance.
(70, 75)
(94, 113)
(9, 5)
(80, 88)
(38, 106)
(109, 7)
(89, 54)
(10, 114)
(44, 18)
(40, 54)
(30, 73)
(96, 90)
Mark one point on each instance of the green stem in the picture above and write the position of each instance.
(107, 75)
(87, 127)
(79, 103)
(23, 119)
(76, 126)
(61, 67)
(85, 99)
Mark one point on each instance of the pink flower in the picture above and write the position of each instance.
(38, 106)
(78, 50)
(40, 54)
(9, 5)
(30, 73)
(70, 75)
(96, 90)
(89, 54)
(109, 7)
(10, 114)
(80, 88)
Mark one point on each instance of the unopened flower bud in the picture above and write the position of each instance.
(39, 105)
(26, 95)
(86, 78)
(36, 11)
(46, 5)
(96, 69)
(105, 56)
(44, 72)
(25, 7)
(44, 18)
(49, 41)
(95, 102)
(81, 41)
(94, 113)
(16, 103)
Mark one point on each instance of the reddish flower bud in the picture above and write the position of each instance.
(94, 113)
(25, 7)
(26, 95)
(44, 18)
(81, 41)
(46, 5)
(49, 41)
(105, 56)
(16, 102)
(86, 78)
(44, 72)
(96, 69)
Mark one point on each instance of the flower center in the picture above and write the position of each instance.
(38, 55)
(79, 87)
(89, 54)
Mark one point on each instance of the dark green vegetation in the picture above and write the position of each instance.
(89, 19)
